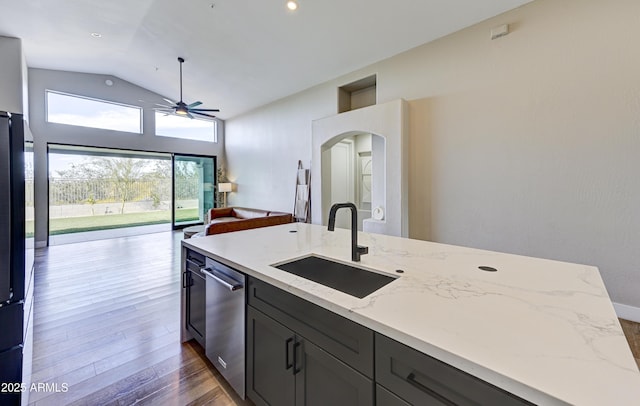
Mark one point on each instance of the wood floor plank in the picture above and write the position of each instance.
(62, 342)
(169, 374)
(107, 324)
(69, 378)
(183, 390)
(117, 316)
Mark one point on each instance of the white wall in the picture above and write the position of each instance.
(528, 144)
(263, 155)
(92, 85)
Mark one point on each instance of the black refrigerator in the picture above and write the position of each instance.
(16, 260)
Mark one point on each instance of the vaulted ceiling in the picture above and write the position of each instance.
(239, 54)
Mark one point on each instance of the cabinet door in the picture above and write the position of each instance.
(342, 338)
(386, 398)
(196, 306)
(322, 379)
(270, 379)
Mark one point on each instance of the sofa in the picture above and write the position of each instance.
(225, 220)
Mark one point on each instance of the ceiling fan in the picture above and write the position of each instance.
(181, 108)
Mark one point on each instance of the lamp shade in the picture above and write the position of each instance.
(224, 187)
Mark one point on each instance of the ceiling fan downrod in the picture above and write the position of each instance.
(181, 60)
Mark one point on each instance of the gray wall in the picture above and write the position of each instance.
(92, 85)
(528, 144)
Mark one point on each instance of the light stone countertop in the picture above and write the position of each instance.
(543, 330)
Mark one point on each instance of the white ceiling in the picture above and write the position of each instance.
(240, 54)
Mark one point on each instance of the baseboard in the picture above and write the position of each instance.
(627, 312)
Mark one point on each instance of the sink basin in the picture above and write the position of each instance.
(348, 279)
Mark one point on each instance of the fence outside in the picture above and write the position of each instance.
(92, 191)
(73, 197)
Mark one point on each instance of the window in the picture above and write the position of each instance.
(170, 125)
(82, 111)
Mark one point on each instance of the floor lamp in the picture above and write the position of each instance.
(224, 188)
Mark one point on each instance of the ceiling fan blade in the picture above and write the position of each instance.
(169, 101)
(216, 110)
(203, 114)
(194, 104)
(189, 115)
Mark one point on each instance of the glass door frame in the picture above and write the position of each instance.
(114, 150)
(214, 158)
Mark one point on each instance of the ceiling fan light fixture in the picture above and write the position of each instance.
(183, 109)
(292, 5)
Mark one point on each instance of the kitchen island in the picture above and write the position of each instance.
(543, 330)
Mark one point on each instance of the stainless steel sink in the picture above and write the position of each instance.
(348, 279)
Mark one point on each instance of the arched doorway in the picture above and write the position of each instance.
(387, 124)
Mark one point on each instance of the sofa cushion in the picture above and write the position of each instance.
(262, 218)
(245, 213)
(224, 220)
(276, 213)
(220, 212)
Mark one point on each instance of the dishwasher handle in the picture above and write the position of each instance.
(223, 279)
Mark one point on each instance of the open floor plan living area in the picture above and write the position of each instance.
(302, 202)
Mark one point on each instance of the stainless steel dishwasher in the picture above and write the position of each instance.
(225, 325)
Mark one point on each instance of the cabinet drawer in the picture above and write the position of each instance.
(344, 339)
(422, 380)
(194, 260)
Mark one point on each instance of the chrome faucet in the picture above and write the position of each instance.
(356, 250)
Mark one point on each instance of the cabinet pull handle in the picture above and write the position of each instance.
(295, 357)
(412, 380)
(286, 351)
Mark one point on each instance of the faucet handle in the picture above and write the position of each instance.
(360, 250)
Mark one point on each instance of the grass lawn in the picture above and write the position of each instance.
(93, 223)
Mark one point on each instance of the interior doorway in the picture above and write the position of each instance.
(389, 163)
(350, 179)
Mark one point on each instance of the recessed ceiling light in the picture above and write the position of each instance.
(292, 5)
(96, 35)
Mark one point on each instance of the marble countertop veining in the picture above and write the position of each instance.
(544, 330)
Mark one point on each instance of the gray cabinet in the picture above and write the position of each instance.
(422, 380)
(299, 353)
(270, 378)
(195, 286)
(287, 367)
(348, 341)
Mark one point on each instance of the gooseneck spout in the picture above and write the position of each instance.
(356, 250)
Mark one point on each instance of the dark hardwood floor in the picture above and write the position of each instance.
(632, 333)
(106, 327)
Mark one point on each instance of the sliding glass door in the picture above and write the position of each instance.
(193, 188)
